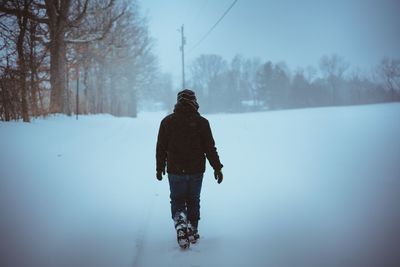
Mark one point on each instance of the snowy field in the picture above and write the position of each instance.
(314, 187)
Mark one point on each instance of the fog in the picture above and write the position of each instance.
(267, 55)
(298, 33)
(303, 102)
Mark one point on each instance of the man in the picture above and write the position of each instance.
(184, 141)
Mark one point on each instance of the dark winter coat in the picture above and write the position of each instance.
(184, 141)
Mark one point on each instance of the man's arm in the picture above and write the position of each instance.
(210, 149)
(161, 149)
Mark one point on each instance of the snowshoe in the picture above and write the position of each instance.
(192, 233)
(181, 230)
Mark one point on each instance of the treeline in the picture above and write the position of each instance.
(49, 49)
(248, 84)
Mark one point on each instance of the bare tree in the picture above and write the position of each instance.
(117, 66)
(19, 39)
(60, 17)
(9, 99)
(390, 72)
(250, 69)
(205, 68)
(333, 68)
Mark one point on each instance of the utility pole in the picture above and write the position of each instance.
(183, 42)
(77, 91)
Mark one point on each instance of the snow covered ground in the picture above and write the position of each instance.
(313, 187)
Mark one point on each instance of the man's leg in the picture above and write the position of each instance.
(193, 199)
(178, 187)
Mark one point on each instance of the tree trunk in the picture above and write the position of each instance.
(57, 73)
(133, 104)
(22, 66)
(58, 16)
(33, 70)
(114, 102)
(5, 99)
(85, 90)
(100, 89)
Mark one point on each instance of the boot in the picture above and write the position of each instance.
(180, 222)
(192, 233)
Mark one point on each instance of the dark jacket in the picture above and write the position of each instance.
(184, 142)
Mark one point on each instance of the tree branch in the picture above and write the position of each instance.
(96, 36)
(76, 21)
(86, 39)
(17, 12)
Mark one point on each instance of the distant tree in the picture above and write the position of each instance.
(310, 73)
(264, 85)
(300, 91)
(390, 72)
(355, 88)
(206, 72)
(249, 80)
(281, 86)
(273, 85)
(241, 82)
(235, 90)
(128, 64)
(333, 68)
(159, 92)
(227, 88)
(362, 90)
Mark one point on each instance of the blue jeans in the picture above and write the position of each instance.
(185, 195)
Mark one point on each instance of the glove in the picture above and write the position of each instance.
(218, 176)
(159, 175)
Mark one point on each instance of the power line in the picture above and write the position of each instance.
(213, 27)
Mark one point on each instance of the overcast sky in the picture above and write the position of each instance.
(298, 32)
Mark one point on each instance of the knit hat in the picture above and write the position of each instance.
(187, 97)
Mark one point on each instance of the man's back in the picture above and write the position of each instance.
(184, 140)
